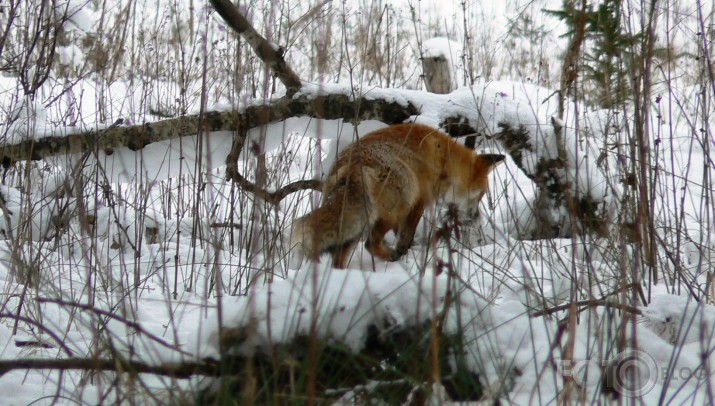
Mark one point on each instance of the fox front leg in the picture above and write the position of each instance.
(406, 233)
(374, 243)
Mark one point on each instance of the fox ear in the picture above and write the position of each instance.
(491, 160)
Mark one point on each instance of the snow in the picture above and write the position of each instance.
(154, 253)
(348, 302)
(345, 303)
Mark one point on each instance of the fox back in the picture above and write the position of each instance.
(383, 182)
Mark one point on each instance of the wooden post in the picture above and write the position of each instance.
(438, 75)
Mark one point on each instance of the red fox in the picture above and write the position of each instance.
(383, 182)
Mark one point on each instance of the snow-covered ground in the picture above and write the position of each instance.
(145, 254)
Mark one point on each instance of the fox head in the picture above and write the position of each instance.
(474, 183)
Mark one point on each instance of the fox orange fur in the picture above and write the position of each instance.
(383, 182)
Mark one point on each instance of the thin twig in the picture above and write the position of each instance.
(41, 327)
(588, 303)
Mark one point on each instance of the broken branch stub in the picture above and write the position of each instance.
(269, 53)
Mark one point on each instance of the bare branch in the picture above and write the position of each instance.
(176, 370)
(234, 174)
(269, 54)
(133, 137)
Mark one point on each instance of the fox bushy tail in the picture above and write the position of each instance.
(342, 219)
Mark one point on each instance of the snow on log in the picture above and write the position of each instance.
(517, 115)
